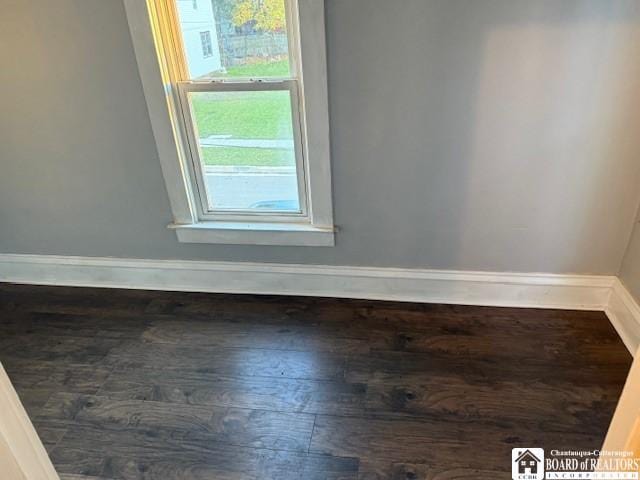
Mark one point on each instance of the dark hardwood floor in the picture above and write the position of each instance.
(157, 385)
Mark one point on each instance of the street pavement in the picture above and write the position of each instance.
(241, 190)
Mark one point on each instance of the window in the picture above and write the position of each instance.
(242, 133)
(205, 40)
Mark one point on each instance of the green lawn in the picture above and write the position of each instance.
(255, 157)
(244, 114)
(264, 69)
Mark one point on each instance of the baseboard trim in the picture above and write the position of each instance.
(624, 313)
(588, 292)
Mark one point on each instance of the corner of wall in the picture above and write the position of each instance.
(634, 232)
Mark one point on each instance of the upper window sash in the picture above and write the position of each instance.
(178, 69)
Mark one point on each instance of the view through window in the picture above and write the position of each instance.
(241, 106)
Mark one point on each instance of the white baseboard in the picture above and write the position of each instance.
(624, 313)
(433, 286)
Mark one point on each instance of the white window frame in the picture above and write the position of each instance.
(314, 227)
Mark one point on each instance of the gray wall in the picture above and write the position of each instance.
(630, 271)
(479, 134)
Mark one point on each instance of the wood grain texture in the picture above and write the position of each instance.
(231, 361)
(267, 393)
(142, 385)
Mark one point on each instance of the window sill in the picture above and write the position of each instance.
(236, 233)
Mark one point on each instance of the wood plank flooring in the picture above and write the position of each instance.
(138, 385)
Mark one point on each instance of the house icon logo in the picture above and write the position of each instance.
(527, 463)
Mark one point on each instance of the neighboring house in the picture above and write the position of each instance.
(199, 35)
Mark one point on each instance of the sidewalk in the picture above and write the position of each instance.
(227, 141)
(247, 170)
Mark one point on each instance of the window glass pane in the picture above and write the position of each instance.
(248, 38)
(247, 150)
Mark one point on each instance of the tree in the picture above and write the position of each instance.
(223, 9)
(265, 15)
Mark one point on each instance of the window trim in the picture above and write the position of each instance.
(155, 64)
